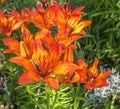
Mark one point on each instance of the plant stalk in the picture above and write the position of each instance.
(47, 101)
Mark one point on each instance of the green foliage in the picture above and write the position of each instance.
(18, 5)
(103, 36)
(111, 103)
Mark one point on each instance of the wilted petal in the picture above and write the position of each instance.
(3, 2)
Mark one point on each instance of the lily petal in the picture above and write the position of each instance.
(13, 45)
(52, 82)
(93, 70)
(27, 64)
(79, 9)
(64, 67)
(100, 80)
(29, 77)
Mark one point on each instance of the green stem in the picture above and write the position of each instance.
(38, 91)
(113, 101)
(47, 100)
(75, 103)
(54, 102)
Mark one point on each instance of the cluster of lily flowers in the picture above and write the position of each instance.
(49, 57)
(98, 96)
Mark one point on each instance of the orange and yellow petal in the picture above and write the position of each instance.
(26, 63)
(82, 71)
(13, 45)
(64, 67)
(29, 77)
(52, 83)
(68, 55)
(93, 70)
(100, 80)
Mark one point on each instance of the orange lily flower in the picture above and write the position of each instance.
(47, 57)
(46, 19)
(49, 63)
(22, 48)
(71, 20)
(69, 24)
(9, 22)
(99, 81)
(45, 65)
(89, 77)
(52, 17)
(30, 75)
(94, 79)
